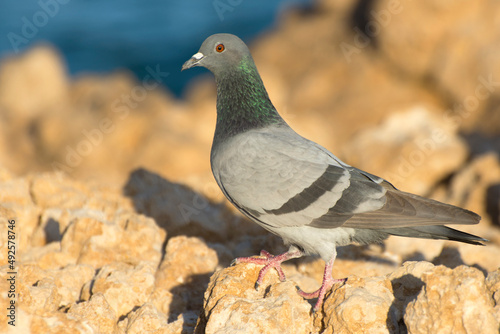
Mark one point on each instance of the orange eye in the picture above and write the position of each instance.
(219, 47)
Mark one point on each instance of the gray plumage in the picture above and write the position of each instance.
(296, 188)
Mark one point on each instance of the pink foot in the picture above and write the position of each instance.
(326, 285)
(269, 261)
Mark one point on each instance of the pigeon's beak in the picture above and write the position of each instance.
(193, 61)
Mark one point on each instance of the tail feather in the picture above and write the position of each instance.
(436, 232)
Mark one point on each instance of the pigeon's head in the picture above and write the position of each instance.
(219, 52)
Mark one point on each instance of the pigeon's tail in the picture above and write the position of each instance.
(436, 232)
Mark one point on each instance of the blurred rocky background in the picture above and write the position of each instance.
(120, 227)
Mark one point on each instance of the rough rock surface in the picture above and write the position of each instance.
(83, 280)
(467, 308)
(415, 297)
(232, 305)
(120, 228)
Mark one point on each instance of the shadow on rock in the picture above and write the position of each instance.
(406, 289)
(450, 257)
(175, 207)
(189, 294)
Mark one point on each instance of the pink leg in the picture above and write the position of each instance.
(326, 285)
(270, 261)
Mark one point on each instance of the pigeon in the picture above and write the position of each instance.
(297, 189)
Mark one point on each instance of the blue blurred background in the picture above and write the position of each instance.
(102, 36)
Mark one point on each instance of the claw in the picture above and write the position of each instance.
(326, 285)
(269, 261)
(266, 254)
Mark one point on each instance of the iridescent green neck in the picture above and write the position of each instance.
(242, 101)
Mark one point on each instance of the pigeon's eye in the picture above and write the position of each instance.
(219, 47)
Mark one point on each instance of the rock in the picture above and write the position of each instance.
(185, 272)
(232, 304)
(17, 205)
(406, 284)
(465, 308)
(31, 86)
(33, 82)
(64, 199)
(166, 302)
(412, 249)
(58, 323)
(362, 306)
(96, 264)
(37, 290)
(5, 174)
(59, 191)
(92, 229)
(96, 314)
(413, 150)
(416, 297)
(493, 284)
(372, 304)
(186, 212)
(428, 51)
(146, 319)
(124, 286)
(42, 298)
(16, 191)
(81, 230)
(70, 280)
(474, 187)
(484, 258)
(133, 238)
